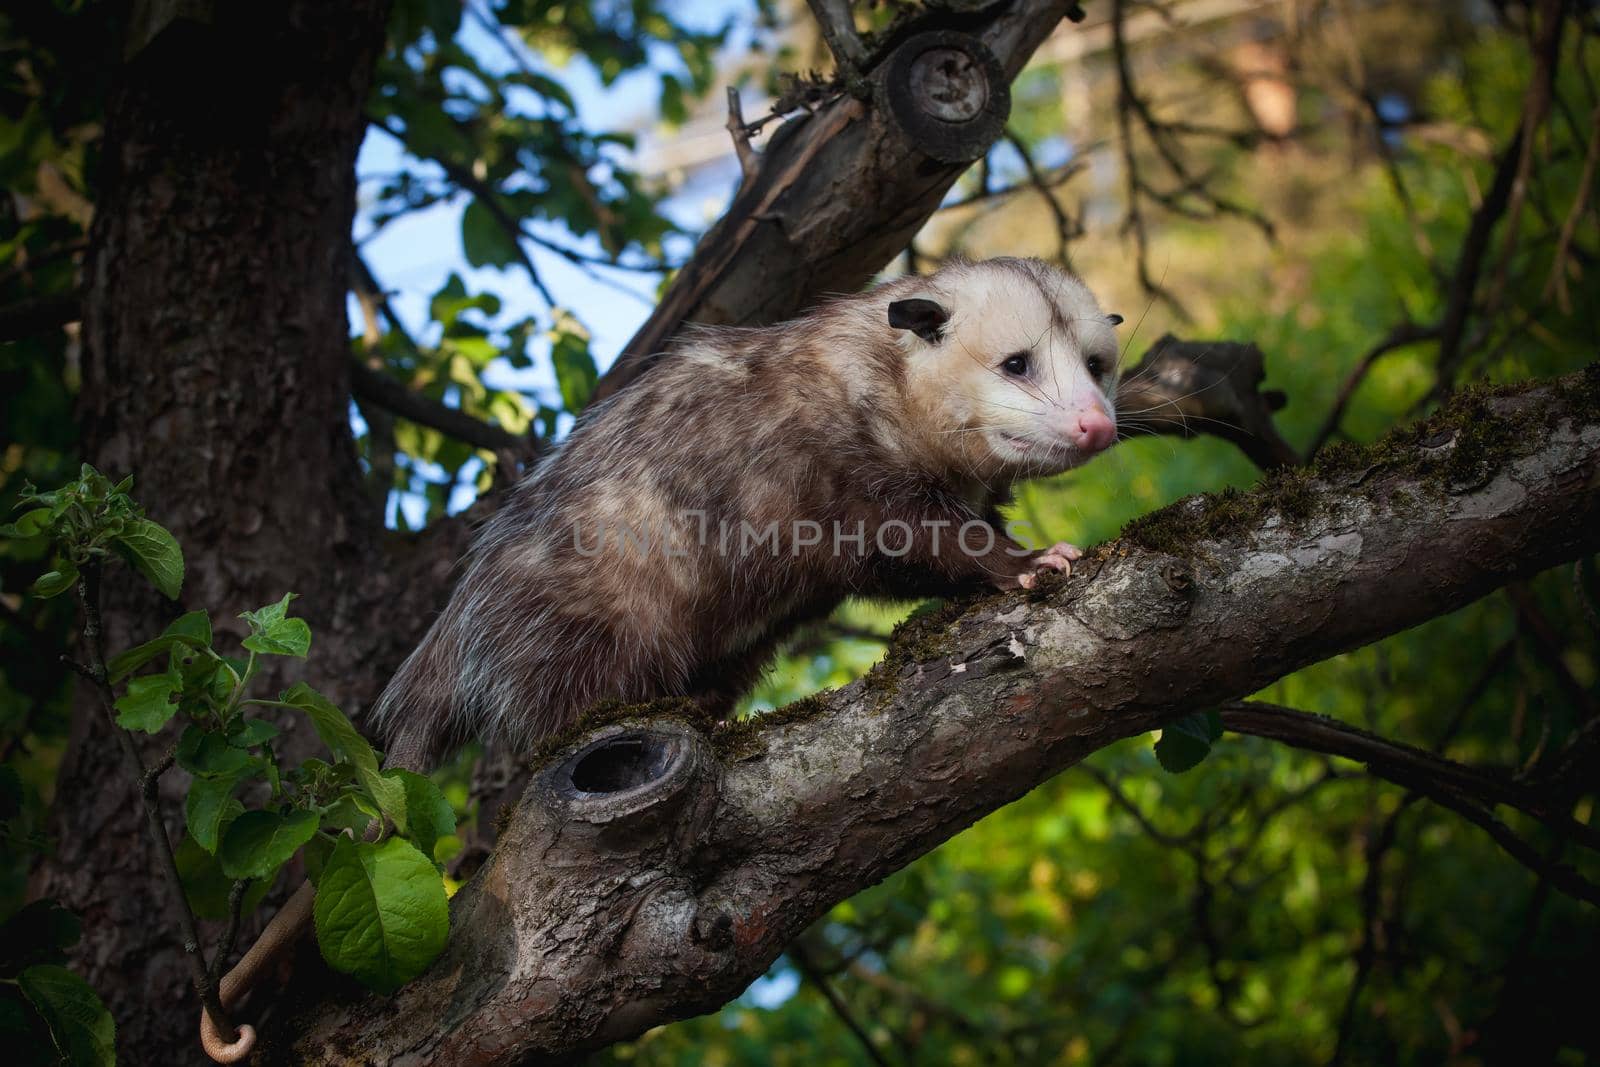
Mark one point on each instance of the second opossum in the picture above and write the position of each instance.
(752, 480)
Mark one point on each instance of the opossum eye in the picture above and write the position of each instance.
(1016, 364)
(1096, 365)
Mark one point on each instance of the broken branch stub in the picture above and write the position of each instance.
(948, 95)
(1187, 388)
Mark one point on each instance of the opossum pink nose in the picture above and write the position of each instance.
(1094, 431)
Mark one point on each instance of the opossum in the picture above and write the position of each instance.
(747, 484)
(751, 481)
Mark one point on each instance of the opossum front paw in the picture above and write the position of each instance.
(1058, 557)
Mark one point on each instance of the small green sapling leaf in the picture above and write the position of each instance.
(248, 733)
(28, 524)
(208, 752)
(80, 1026)
(429, 815)
(148, 703)
(273, 633)
(381, 912)
(257, 843)
(55, 582)
(210, 807)
(155, 553)
(346, 743)
(1184, 743)
(187, 631)
(207, 887)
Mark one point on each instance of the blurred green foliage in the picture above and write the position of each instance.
(1269, 906)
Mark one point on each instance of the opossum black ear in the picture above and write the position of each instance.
(1114, 319)
(925, 318)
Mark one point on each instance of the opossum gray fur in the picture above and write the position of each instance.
(611, 572)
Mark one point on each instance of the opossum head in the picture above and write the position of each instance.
(1012, 365)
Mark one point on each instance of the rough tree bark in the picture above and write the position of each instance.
(652, 871)
(215, 372)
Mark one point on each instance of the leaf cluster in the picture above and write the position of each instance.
(366, 835)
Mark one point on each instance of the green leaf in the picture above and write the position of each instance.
(1185, 743)
(346, 743)
(248, 733)
(148, 703)
(429, 815)
(353, 812)
(257, 843)
(28, 524)
(192, 630)
(273, 633)
(207, 887)
(485, 242)
(208, 752)
(56, 582)
(381, 912)
(80, 1026)
(156, 554)
(318, 849)
(210, 807)
(193, 625)
(576, 374)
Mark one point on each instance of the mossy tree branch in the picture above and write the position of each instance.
(654, 869)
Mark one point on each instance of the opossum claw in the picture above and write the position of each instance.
(1058, 557)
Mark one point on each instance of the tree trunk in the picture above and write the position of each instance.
(216, 374)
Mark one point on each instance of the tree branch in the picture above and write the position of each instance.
(1417, 769)
(1188, 388)
(652, 870)
(394, 397)
(839, 193)
(839, 30)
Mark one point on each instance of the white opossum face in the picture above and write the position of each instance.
(1016, 363)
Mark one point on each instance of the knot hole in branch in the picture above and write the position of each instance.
(630, 778)
(621, 764)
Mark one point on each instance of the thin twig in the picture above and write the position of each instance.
(839, 31)
(1406, 333)
(489, 197)
(145, 780)
(231, 933)
(1418, 770)
(748, 163)
(392, 395)
(1556, 284)
(1536, 107)
(1469, 264)
(1065, 229)
(809, 970)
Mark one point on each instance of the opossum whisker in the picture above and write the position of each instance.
(1021, 383)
